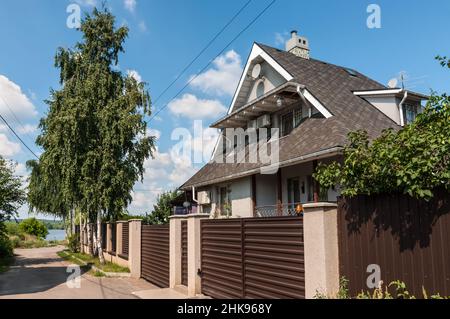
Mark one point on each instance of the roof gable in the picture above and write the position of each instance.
(257, 55)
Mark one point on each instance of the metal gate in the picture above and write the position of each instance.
(254, 258)
(155, 254)
(184, 253)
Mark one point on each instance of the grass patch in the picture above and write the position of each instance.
(5, 263)
(29, 242)
(107, 267)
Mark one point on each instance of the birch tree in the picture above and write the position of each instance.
(95, 134)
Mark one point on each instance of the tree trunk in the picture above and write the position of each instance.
(72, 221)
(70, 229)
(99, 239)
(89, 237)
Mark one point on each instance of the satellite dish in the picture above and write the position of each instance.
(256, 71)
(392, 84)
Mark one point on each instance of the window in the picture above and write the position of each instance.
(287, 123)
(224, 201)
(410, 113)
(298, 117)
(291, 120)
(260, 89)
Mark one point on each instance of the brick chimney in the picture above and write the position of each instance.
(298, 46)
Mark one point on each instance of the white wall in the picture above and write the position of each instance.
(241, 198)
(388, 105)
(273, 80)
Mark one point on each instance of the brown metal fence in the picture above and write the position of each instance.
(408, 238)
(255, 258)
(155, 254)
(184, 253)
(113, 238)
(125, 240)
(104, 238)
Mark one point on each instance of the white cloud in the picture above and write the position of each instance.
(12, 97)
(8, 148)
(135, 74)
(142, 26)
(27, 129)
(194, 108)
(130, 5)
(222, 79)
(154, 132)
(281, 38)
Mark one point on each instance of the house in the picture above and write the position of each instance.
(307, 108)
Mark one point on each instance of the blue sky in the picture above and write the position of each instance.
(165, 36)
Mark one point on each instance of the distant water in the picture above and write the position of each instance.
(56, 234)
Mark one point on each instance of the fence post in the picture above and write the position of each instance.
(321, 249)
(119, 243)
(175, 251)
(194, 254)
(134, 253)
(108, 237)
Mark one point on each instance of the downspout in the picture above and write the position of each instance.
(400, 107)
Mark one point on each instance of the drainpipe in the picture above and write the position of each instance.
(195, 199)
(300, 89)
(400, 107)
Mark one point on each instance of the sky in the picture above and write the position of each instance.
(166, 35)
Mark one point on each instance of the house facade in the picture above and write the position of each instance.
(289, 114)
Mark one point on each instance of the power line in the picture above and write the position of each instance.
(18, 137)
(203, 50)
(16, 118)
(209, 63)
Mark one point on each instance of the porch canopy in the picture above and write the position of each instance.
(270, 102)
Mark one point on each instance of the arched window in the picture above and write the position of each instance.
(260, 89)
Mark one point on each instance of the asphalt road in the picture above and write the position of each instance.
(42, 274)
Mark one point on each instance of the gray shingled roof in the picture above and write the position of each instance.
(333, 86)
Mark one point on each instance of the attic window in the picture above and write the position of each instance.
(351, 72)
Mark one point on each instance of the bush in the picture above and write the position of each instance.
(34, 227)
(73, 243)
(6, 248)
(12, 229)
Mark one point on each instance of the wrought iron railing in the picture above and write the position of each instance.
(294, 209)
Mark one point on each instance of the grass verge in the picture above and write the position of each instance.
(92, 261)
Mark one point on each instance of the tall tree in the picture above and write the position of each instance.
(94, 136)
(12, 196)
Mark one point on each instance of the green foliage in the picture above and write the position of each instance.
(12, 229)
(414, 160)
(6, 247)
(73, 243)
(162, 210)
(94, 135)
(33, 227)
(12, 196)
(400, 292)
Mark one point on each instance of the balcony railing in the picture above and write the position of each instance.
(180, 211)
(295, 209)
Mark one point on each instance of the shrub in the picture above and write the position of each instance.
(12, 229)
(33, 227)
(73, 243)
(6, 248)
